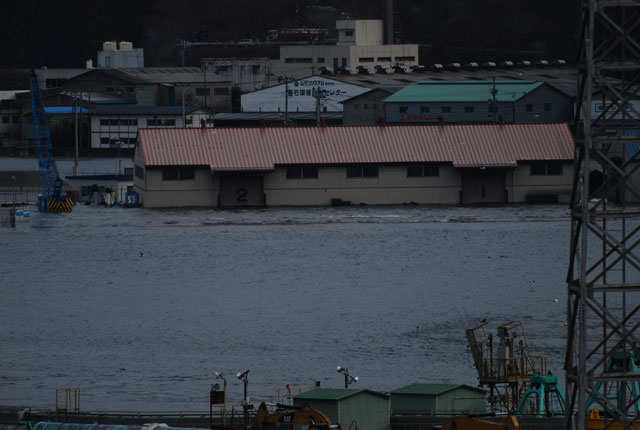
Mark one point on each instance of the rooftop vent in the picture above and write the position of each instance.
(506, 63)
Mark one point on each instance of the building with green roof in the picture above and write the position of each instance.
(351, 408)
(437, 399)
(478, 102)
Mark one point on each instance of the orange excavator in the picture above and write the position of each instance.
(284, 416)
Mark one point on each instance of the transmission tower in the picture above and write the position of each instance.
(603, 308)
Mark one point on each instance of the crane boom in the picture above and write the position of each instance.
(52, 199)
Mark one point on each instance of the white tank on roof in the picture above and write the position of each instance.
(109, 46)
(126, 46)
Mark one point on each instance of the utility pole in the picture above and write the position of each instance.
(75, 136)
(494, 106)
(318, 95)
(286, 100)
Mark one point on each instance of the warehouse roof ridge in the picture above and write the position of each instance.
(334, 393)
(262, 149)
(431, 389)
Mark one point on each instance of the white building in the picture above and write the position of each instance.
(117, 126)
(301, 96)
(120, 56)
(359, 47)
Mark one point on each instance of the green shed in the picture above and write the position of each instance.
(438, 399)
(351, 408)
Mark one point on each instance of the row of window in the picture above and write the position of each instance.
(467, 109)
(178, 173)
(363, 171)
(365, 106)
(119, 122)
(386, 59)
(416, 170)
(134, 122)
(10, 118)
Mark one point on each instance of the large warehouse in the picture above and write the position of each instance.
(376, 165)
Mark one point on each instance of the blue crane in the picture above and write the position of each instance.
(52, 198)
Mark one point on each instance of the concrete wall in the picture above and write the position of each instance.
(522, 186)
(156, 193)
(392, 186)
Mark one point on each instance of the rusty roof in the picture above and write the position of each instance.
(229, 149)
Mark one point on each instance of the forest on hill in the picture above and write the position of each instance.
(66, 33)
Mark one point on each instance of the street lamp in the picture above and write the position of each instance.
(244, 378)
(348, 379)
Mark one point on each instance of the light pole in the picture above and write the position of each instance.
(219, 375)
(348, 379)
(243, 377)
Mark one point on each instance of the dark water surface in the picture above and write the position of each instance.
(288, 293)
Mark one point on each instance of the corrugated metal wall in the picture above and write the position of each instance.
(364, 411)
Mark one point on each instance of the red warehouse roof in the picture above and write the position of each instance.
(225, 149)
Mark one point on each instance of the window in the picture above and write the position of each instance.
(5, 119)
(424, 109)
(546, 168)
(468, 109)
(302, 172)
(344, 62)
(128, 89)
(152, 121)
(104, 122)
(446, 109)
(189, 121)
(384, 59)
(111, 89)
(320, 59)
(528, 107)
(366, 59)
(170, 122)
(15, 119)
(362, 171)
(422, 170)
(139, 172)
(375, 106)
(298, 60)
(348, 33)
(105, 141)
(403, 109)
(493, 108)
(221, 91)
(178, 173)
(409, 58)
(365, 106)
(547, 107)
(113, 122)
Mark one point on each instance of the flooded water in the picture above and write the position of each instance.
(138, 308)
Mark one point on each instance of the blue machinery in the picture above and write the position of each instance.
(52, 198)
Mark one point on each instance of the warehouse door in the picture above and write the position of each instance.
(482, 186)
(241, 190)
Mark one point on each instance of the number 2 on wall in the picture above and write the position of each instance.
(241, 195)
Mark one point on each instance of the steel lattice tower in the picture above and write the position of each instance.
(603, 308)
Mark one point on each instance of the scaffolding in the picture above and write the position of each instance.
(603, 307)
(506, 367)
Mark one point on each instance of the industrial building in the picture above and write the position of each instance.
(478, 101)
(157, 86)
(351, 408)
(302, 95)
(438, 399)
(280, 166)
(116, 126)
